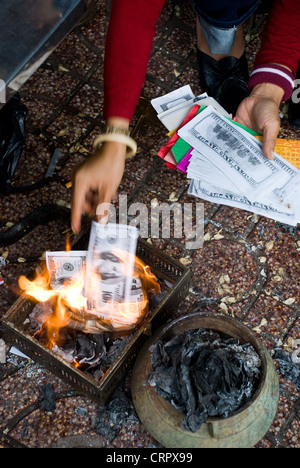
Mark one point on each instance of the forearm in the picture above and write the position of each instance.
(128, 47)
(277, 61)
(275, 75)
(119, 122)
(281, 36)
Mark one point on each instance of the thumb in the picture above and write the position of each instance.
(269, 140)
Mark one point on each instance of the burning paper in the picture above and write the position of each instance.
(106, 288)
(114, 291)
(65, 266)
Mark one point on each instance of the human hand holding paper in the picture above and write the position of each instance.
(260, 112)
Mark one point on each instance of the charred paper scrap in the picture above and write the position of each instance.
(289, 369)
(113, 416)
(204, 375)
(48, 402)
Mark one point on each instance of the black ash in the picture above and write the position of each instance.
(91, 353)
(48, 402)
(204, 375)
(115, 414)
(289, 369)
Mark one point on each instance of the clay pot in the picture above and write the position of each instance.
(245, 428)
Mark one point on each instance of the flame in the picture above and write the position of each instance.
(68, 242)
(38, 289)
(70, 305)
(65, 300)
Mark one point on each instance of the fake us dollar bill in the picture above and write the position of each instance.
(227, 166)
(214, 194)
(110, 280)
(65, 266)
(173, 107)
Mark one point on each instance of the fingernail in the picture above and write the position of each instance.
(271, 155)
(102, 219)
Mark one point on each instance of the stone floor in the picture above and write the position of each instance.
(260, 256)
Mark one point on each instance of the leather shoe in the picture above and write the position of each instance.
(294, 106)
(226, 80)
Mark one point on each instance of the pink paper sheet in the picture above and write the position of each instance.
(183, 164)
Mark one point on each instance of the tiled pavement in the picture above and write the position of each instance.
(260, 256)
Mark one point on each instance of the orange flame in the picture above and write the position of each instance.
(69, 302)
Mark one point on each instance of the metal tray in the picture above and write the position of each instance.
(163, 266)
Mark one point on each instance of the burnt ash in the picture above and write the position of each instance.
(204, 375)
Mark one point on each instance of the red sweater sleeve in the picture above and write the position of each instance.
(281, 37)
(280, 48)
(129, 43)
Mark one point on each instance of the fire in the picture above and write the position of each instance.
(38, 289)
(66, 300)
(70, 304)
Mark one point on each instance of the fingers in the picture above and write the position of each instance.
(95, 182)
(90, 201)
(77, 206)
(103, 206)
(102, 213)
(270, 134)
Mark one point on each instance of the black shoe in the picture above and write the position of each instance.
(226, 80)
(294, 106)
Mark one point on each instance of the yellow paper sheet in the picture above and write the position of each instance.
(288, 149)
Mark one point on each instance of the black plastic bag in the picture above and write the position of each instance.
(12, 138)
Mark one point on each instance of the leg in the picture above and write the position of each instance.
(238, 46)
(223, 76)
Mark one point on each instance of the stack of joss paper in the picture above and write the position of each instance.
(224, 160)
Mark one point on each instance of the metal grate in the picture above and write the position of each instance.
(163, 266)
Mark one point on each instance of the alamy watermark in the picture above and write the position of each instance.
(296, 92)
(183, 221)
(2, 92)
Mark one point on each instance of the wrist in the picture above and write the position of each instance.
(273, 74)
(269, 91)
(118, 122)
(117, 131)
(112, 152)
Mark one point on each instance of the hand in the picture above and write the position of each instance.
(96, 181)
(260, 112)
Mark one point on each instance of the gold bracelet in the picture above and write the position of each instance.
(119, 135)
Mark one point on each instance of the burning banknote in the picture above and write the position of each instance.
(103, 289)
(63, 267)
(113, 291)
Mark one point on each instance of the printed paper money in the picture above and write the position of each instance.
(63, 266)
(225, 161)
(218, 195)
(172, 108)
(110, 280)
(230, 149)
